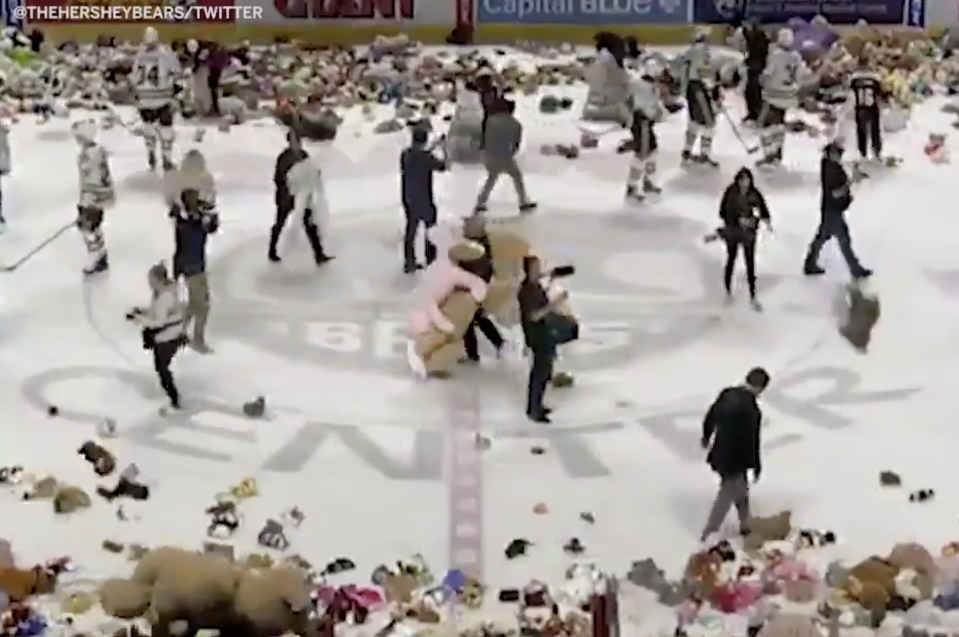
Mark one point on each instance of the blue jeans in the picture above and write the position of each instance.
(834, 228)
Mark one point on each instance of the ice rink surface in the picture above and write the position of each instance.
(363, 448)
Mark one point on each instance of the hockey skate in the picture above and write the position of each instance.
(101, 265)
(649, 188)
(706, 160)
(756, 305)
(770, 161)
(200, 347)
(634, 194)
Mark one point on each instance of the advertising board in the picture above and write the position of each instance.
(594, 13)
(889, 12)
(352, 21)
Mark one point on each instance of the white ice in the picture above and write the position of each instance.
(650, 503)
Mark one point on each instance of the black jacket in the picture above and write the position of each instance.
(284, 162)
(741, 212)
(836, 194)
(191, 232)
(733, 424)
(757, 49)
(417, 165)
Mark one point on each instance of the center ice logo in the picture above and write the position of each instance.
(640, 294)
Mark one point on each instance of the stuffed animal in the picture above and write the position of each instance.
(862, 316)
(69, 499)
(104, 463)
(936, 150)
(172, 584)
(450, 297)
(21, 584)
(773, 528)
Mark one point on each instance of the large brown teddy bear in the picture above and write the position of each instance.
(210, 592)
(170, 584)
(272, 601)
(508, 247)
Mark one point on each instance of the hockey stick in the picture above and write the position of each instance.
(751, 150)
(36, 250)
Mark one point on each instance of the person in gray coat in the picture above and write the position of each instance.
(502, 137)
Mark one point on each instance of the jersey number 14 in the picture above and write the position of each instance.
(148, 75)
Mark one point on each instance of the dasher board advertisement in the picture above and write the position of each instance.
(291, 13)
(594, 13)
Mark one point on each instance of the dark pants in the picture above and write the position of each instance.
(868, 132)
(163, 354)
(309, 227)
(2, 218)
(540, 372)
(213, 83)
(753, 95)
(488, 328)
(733, 492)
(734, 241)
(834, 228)
(414, 219)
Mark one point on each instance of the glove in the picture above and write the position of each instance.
(756, 473)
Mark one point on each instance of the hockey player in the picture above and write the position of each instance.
(96, 194)
(780, 93)
(647, 111)
(155, 70)
(866, 88)
(698, 87)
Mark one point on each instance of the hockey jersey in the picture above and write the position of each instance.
(696, 64)
(96, 179)
(645, 99)
(155, 71)
(866, 89)
(164, 319)
(781, 77)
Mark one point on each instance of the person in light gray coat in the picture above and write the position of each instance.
(502, 138)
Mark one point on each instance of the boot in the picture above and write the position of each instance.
(812, 269)
(527, 207)
(198, 342)
(272, 254)
(101, 265)
(152, 159)
(313, 236)
(634, 194)
(650, 188)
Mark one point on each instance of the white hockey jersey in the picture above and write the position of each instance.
(646, 101)
(165, 317)
(781, 77)
(96, 179)
(696, 64)
(155, 71)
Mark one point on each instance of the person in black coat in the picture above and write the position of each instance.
(757, 51)
(732, 434)
(418, 164)
(535, 308)
(475, 229)
(742, 209)
(836, 199)
(194, 221)
(283, 198)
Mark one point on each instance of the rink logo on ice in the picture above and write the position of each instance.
(817, 399)
(584, 12)
(356, 321)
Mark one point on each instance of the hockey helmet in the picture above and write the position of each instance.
(85, 130)
(702, 34)
(150, 35)
(833, 147)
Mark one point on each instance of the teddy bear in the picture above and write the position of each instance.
(872, 584)
(104, 463)
(21, 584)
(862, 315)
(208, 591)
(773, 528)
(450, 297)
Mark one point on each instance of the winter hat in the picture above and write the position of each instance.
(420, 135)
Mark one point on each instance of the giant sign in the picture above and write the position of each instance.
(298, 13)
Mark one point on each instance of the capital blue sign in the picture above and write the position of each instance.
(590, 13)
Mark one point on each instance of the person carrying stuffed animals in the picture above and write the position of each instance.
(537, 312)
(474, 229)
(731, 433)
